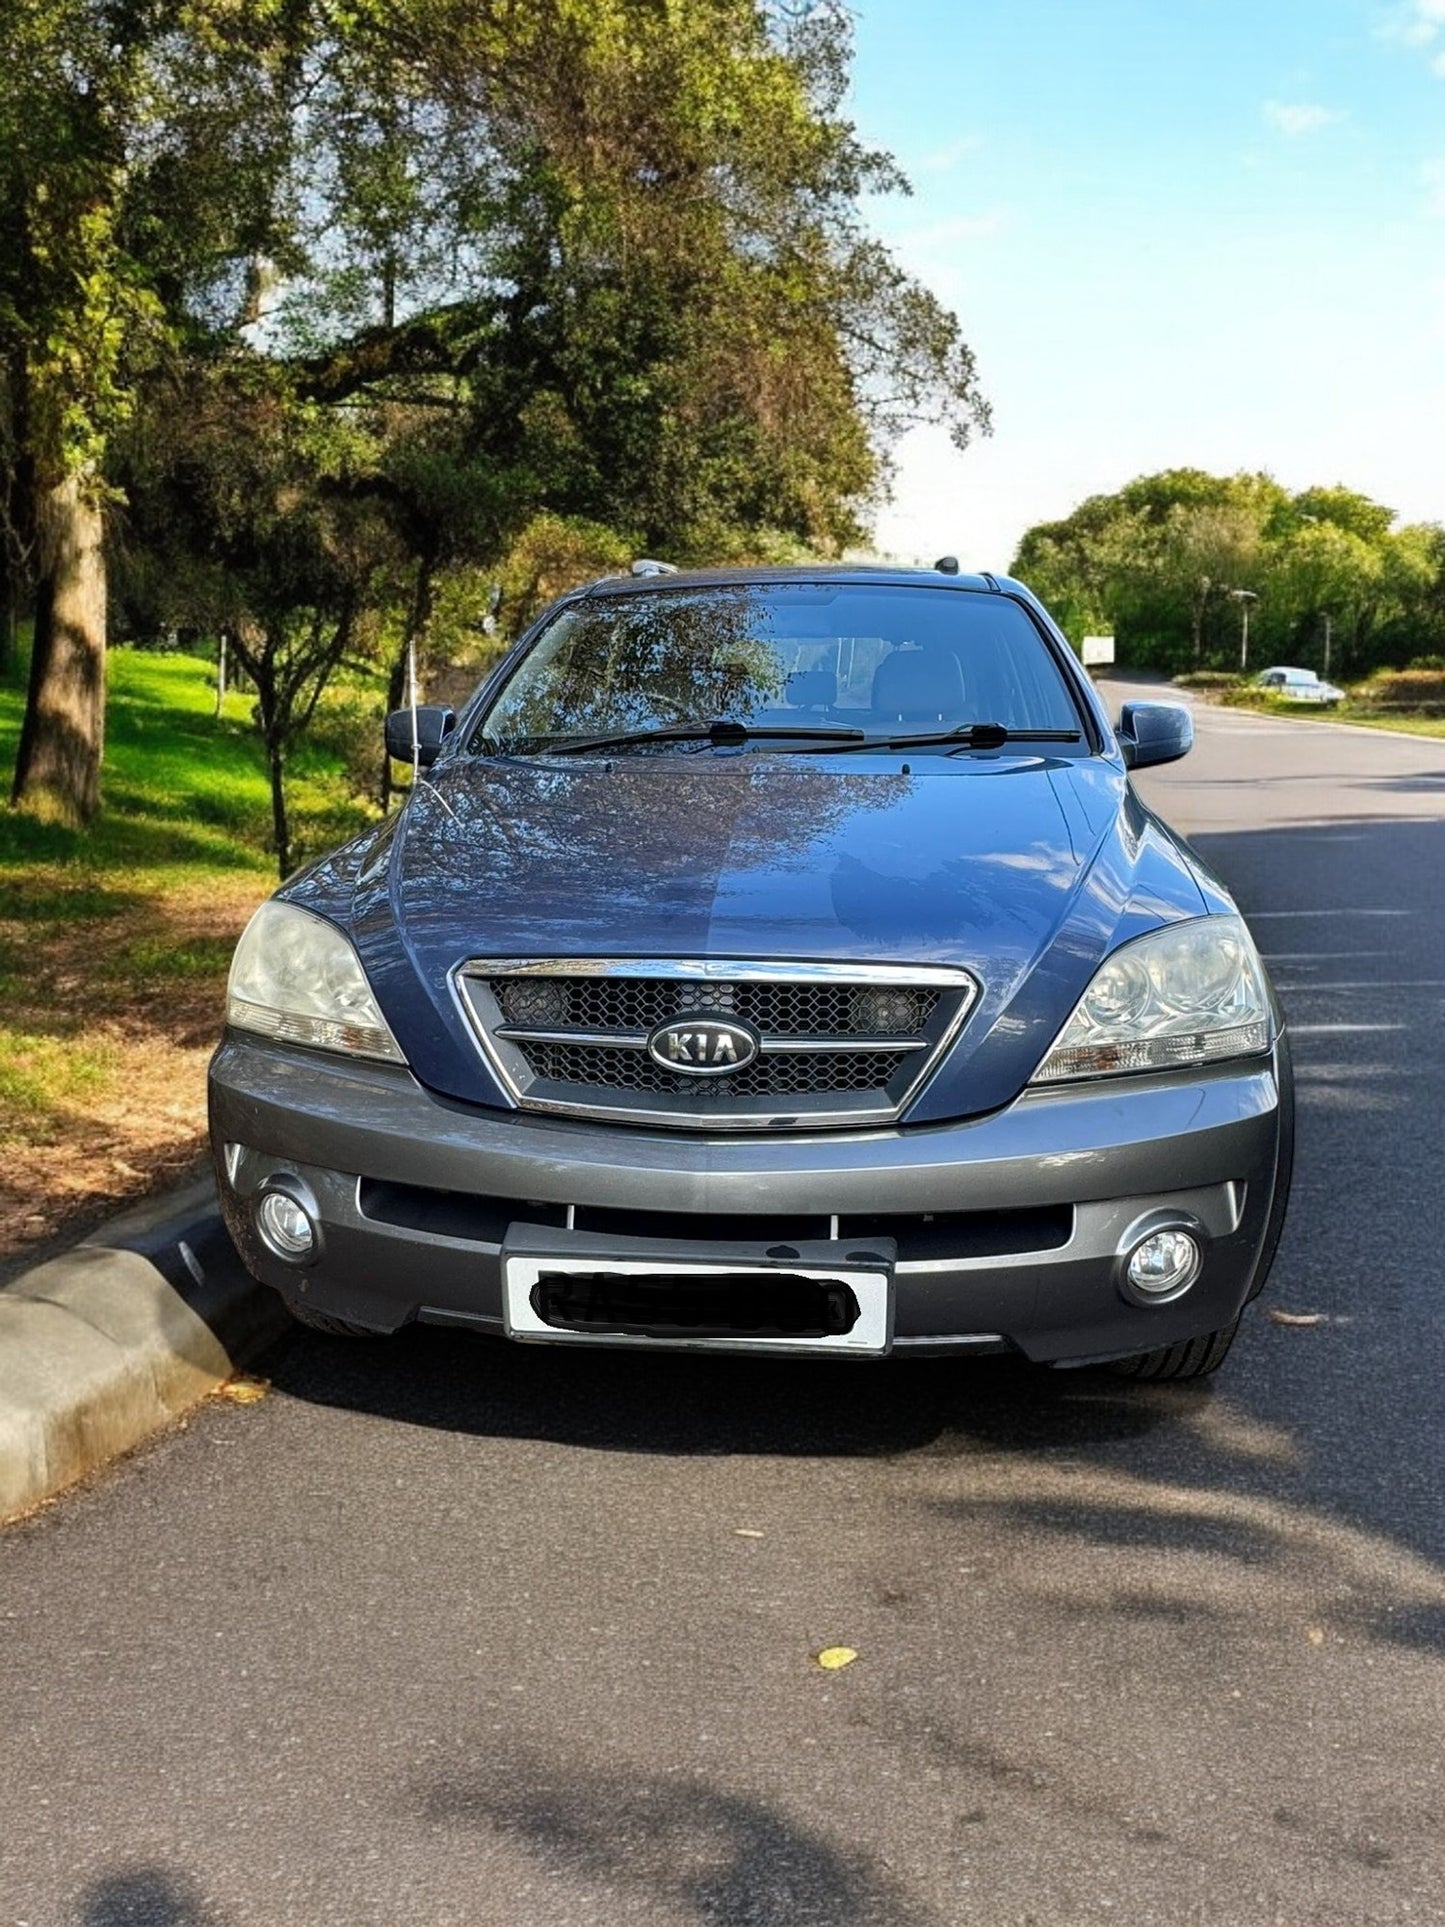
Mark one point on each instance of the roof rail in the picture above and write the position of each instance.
(992, 581)
(646, 566)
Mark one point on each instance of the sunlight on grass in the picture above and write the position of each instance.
(162, 958)
(40, 1075)
(1400, 725)
(182, 787)
(115, 942)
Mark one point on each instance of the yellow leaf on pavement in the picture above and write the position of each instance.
(244, 1391)
(834, 1658)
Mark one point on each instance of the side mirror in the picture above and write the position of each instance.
(1151, 733)
(434, 723)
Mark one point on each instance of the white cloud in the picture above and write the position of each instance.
(1419, 23)
(1299, 117)
(1433, 175)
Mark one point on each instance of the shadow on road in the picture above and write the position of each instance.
(637, 1402)
(705, 1853)
(145, 1897)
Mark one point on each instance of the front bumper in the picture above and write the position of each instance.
(1010, 1229)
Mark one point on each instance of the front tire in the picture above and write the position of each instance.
(321, 1321)
(1193, 1358)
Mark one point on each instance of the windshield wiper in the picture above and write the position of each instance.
(723, 733)
(970, 736)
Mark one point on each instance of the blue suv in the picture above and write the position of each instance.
(767, 960)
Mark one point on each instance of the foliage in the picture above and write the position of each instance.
(1417, 687)
(1171, 562)
(469, 279)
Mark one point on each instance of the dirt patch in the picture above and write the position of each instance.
(112, 1003)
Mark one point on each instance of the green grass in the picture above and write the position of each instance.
(114, 941)
(1400, 725)
(182, 788)
(41, 1075)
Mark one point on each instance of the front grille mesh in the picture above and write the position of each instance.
(776, 1076)
(775, 1009)
(576, 1040)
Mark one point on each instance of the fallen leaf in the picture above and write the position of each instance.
(746, 1532)
(243, 1390)
(1315, 1635)
(834, 1658)
(1300, 1317)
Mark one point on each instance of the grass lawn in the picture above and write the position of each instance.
(114, 944)
(1401, 723)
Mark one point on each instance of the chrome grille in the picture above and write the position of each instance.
(838, 1044)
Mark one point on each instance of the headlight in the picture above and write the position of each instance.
(1191, 993)
(296, 978)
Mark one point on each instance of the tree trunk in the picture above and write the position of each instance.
(57, 769)
(280, 821)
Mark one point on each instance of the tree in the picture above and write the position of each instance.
(1157, 563)
(129, 168)
(596, 260)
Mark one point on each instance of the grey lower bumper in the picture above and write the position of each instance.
(1089, 1163)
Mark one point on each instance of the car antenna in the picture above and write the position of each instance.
(645, 565)
(947, 565)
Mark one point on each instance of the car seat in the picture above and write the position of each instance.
(918, 686)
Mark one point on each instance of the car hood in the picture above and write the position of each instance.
(1023, 869)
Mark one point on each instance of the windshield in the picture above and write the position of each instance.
(780, 657)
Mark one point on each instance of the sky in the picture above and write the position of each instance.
(1177, 233)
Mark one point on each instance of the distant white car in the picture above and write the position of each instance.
(1299, 686)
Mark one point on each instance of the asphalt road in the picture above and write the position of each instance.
(444, 1631)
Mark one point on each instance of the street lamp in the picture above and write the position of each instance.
(1244, 597)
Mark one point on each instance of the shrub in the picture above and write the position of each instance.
(1207, 679)
(1412, 688)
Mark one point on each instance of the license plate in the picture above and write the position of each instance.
(692, 1303)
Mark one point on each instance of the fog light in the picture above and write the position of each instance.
(286, 1226)
(1164, 1265)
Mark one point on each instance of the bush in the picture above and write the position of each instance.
(1426, 662)
(1207, 679)
(1412, 688)
(1248, 695)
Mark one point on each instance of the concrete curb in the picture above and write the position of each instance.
(109, 1343)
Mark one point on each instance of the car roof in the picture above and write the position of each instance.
(1281, 669)
(875, 574)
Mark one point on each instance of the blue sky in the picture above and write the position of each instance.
(1177, 232)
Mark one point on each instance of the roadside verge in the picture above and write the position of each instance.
(113, 1340)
